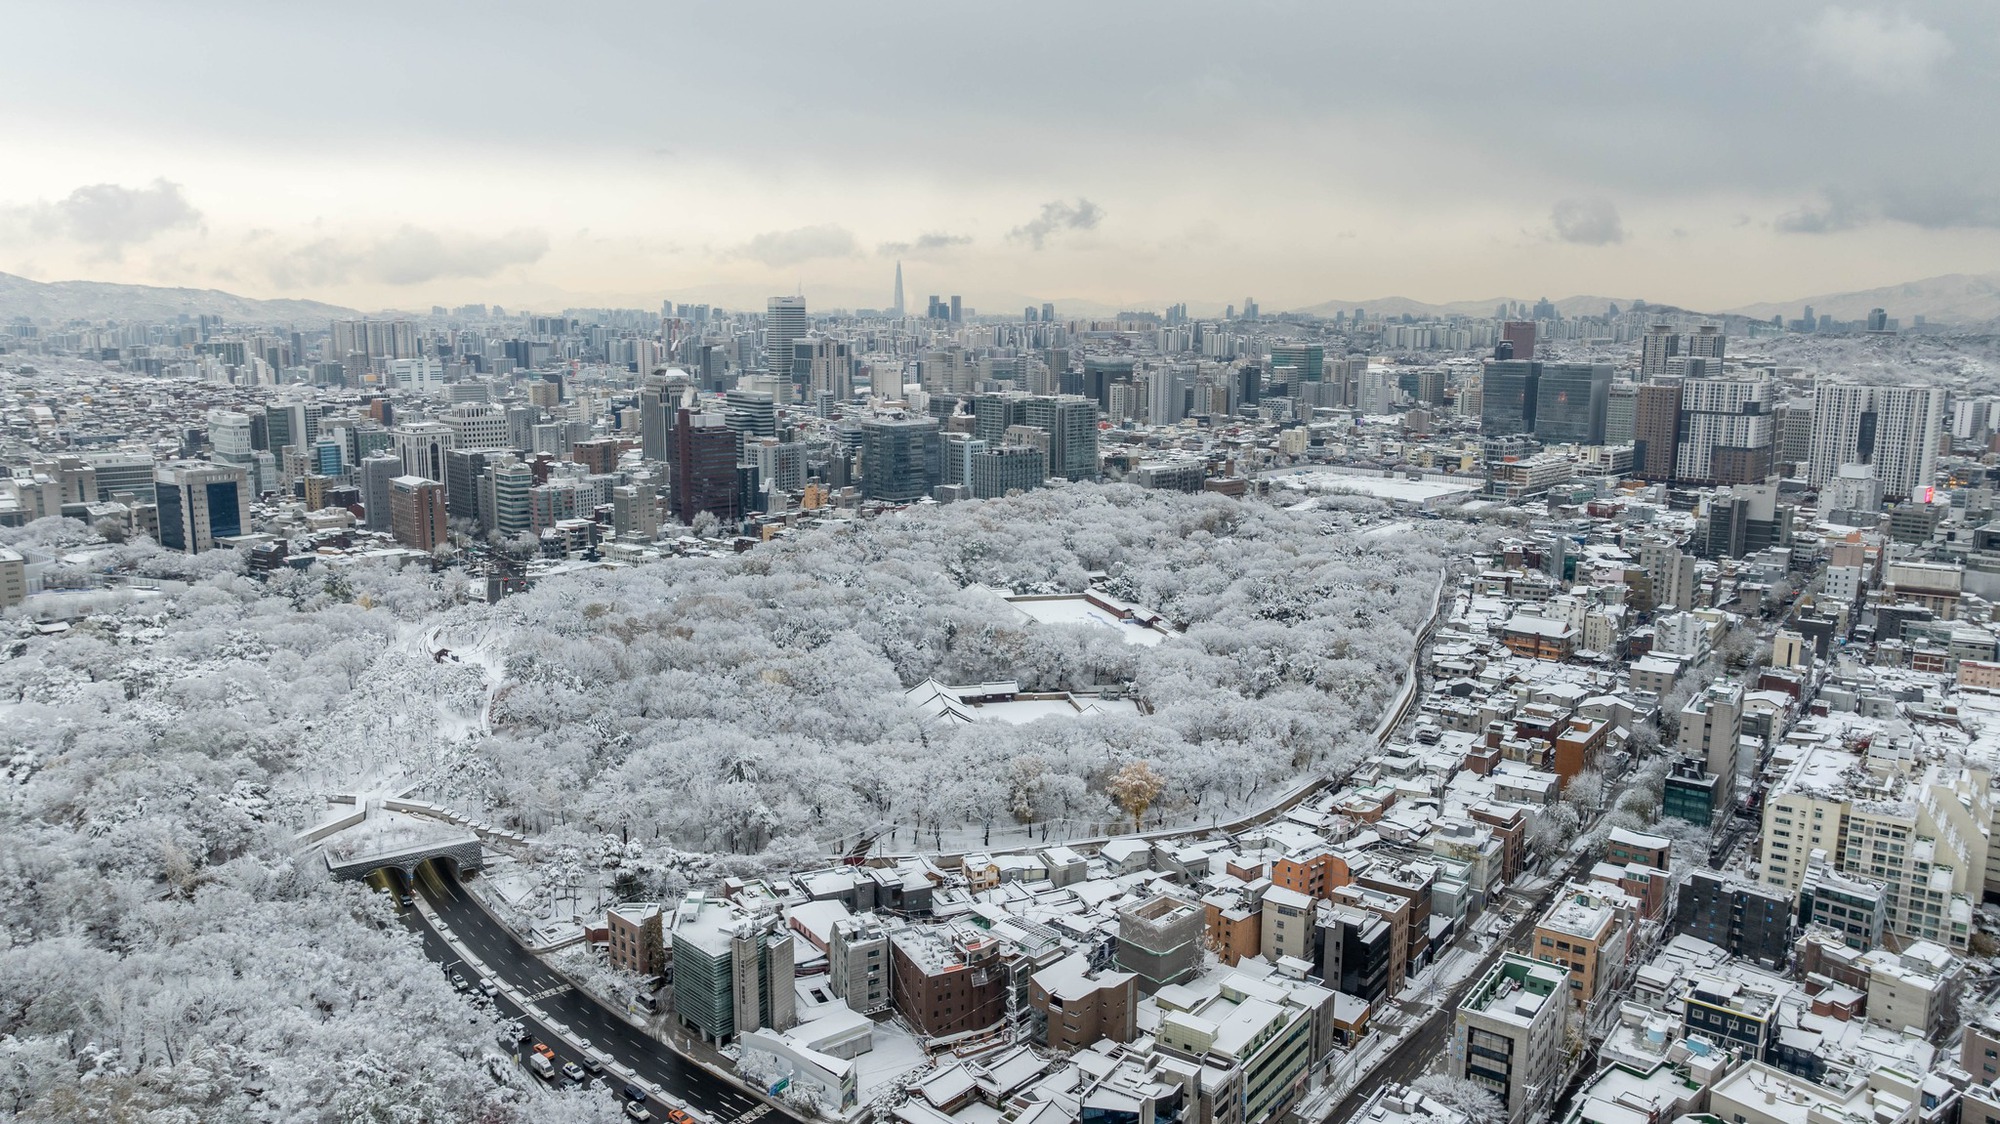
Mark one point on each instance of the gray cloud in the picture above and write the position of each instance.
(1587, 222)
(1891, 55)
(409, 256)
(106, 216)
(925, 244)
(1930, 206)
(1058, 216)
(790, 247)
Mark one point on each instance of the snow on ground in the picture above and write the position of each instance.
(1429, 491)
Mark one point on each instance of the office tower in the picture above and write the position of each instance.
(784, 324)
(328, 457)
(958, 452)
(992, 414)
(1308, 359)
(376, 471)
(824, 367)
(476, 425)
(1101, 372)
(781, 465)
(653, 420)
(416, 512)
(1621, 413)
(422, 446)
(1726, 430)
(998, 471)
(896, 309)
(635, 512)
(1659, 344)
(1520, 333)
(1570, 402)
(1071, 425)
(463, 470)
(1048, 312)
(900, 458)
(1508, 396)
(957, 310)
(200, 502)
(750, 416)
(1656, 421)
(704, 476)
(503, 498)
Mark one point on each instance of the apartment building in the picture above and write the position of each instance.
(1510, 1033)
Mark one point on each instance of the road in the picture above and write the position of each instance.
(576, 1016)
(1431, 1041)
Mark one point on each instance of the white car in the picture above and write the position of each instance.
(573, 1071)
(636, 1111)
(489, 988)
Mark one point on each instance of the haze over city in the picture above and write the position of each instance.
(1118, 155)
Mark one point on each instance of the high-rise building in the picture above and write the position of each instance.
(1891, 427)
(1659, 344)
(997, 471)
(1071, 425)
(376, 471)
(1726, 430)
(784, 324)
(1621, 414)
(200, 502)
(704, 476)
(1521, 334)
(1509, 391)
(1570, 403)
(896, 308)
(1308, 359)
(1656, 419)
(422, 446)
(901, 458)
(416, 512)
(751, 417)
(504, 506)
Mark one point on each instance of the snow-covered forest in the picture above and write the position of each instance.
(164, 942)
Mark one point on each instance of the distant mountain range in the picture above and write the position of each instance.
(103, 300)
(1971, 299)
(1964, 299)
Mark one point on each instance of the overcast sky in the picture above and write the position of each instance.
(377, 155)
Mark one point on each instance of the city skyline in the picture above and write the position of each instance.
(1713, 169)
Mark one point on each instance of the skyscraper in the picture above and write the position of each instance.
(784, 322)
(1508, 396)
(1520, 333)
(200, 502)
(901, 458)
(1570, 402)
(1726, 431)
(1659, 344)
(704, 476)
(897, 308)
(416, 512)
(1894, 428)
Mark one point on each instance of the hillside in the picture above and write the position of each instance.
(1955, 298)
(100, 300)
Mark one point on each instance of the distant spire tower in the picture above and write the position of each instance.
(899, 290)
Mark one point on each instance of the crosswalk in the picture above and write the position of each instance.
(538, 996)
(755, 1113)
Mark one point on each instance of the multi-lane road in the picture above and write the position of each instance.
(574, 1025)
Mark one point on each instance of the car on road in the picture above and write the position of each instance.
(592, 1066)
(544, 1067)
(458, 982)
(680, 1116)
(634, 1110)
(573, 1071)
(488, 988)
(634, 1093)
